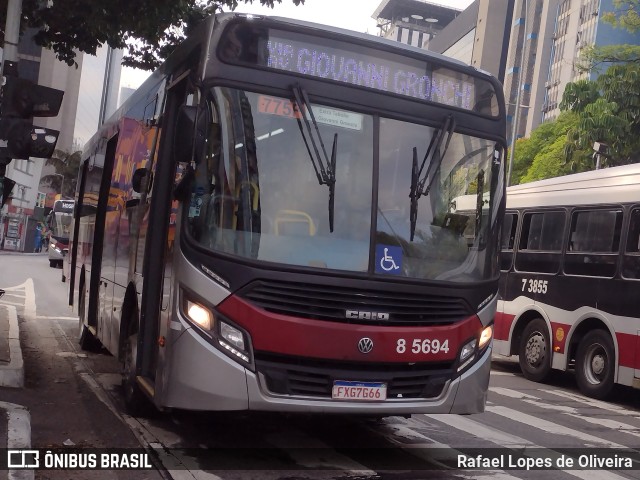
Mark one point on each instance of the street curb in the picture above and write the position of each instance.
(12, 375)
(18, 436)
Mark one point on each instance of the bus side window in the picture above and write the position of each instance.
(508, 240)
(594, 243)
(633, 239)
(540, 244)
(631, 259)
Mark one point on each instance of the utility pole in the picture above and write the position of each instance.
(9, 67)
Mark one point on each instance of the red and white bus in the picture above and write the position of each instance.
(265, 225)
(570, 275)
(59, 223)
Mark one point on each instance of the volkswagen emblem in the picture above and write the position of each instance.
(365, 345)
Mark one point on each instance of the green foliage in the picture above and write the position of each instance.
(67, 165)
(608, 110)
(626, 16)
(147, 29)
(548, 162)
(542, 155)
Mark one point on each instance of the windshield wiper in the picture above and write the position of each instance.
(325, 169)
(421, 185)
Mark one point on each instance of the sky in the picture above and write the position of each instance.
(353, 15)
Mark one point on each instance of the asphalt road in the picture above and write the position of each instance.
(75, 396)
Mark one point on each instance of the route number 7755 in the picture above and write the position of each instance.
(534, 286)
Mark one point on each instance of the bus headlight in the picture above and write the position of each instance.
(199, 315)
(232, 335)
(485, 337)
(216, 328)
(468, 349)
(232, 340)
(472, 350)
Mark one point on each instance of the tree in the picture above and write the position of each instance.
(147, 29)
(538, 156)
(626, 16)
(608, 110)
(67, 165)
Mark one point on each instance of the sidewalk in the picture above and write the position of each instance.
(15, 420)
(11, 363)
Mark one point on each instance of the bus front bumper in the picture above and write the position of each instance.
(201, 377)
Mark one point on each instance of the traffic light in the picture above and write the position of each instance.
(22, 100)
(7, 187)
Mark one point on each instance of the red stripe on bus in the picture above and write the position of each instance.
(628, 345)
(502, 327)
(272, 332)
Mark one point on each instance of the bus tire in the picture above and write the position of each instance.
(535, 352)
(136, 402)
(86, 340)
(595, 364)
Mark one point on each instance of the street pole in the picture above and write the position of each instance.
(516, 109)
(10, 64)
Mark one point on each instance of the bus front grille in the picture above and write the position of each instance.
(314, 377)
(331, 302)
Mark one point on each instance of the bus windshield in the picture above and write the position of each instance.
(256, 193)
(60, 219)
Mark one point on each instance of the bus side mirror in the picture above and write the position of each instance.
(136, 180)
(190, 134)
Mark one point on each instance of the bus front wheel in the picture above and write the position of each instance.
(595, 365)
(535, 352)
(134, 398)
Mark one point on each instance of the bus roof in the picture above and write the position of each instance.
(606, 186)
(200, 40)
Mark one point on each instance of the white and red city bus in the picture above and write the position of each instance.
(59, 223)
(570, 273)
(265, 225)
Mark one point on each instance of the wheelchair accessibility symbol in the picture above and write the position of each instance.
(388, 259)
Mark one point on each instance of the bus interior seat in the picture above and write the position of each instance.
(294, 222)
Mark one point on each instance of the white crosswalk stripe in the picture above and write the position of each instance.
(570, 411)
(507, 440)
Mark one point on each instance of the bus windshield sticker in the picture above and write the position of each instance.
(277, 106)
(338, 118)
(325, 115)
(388, 259)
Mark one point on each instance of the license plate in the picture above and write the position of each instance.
(359, 391)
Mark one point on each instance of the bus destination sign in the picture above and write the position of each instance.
(410, 78)
(378, 69)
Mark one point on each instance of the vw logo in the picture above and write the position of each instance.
(365, 345)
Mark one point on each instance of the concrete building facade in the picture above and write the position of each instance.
(413, 22)
(491, 35)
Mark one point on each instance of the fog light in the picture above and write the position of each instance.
(485, 336)
(232, 335)
(199, 315)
